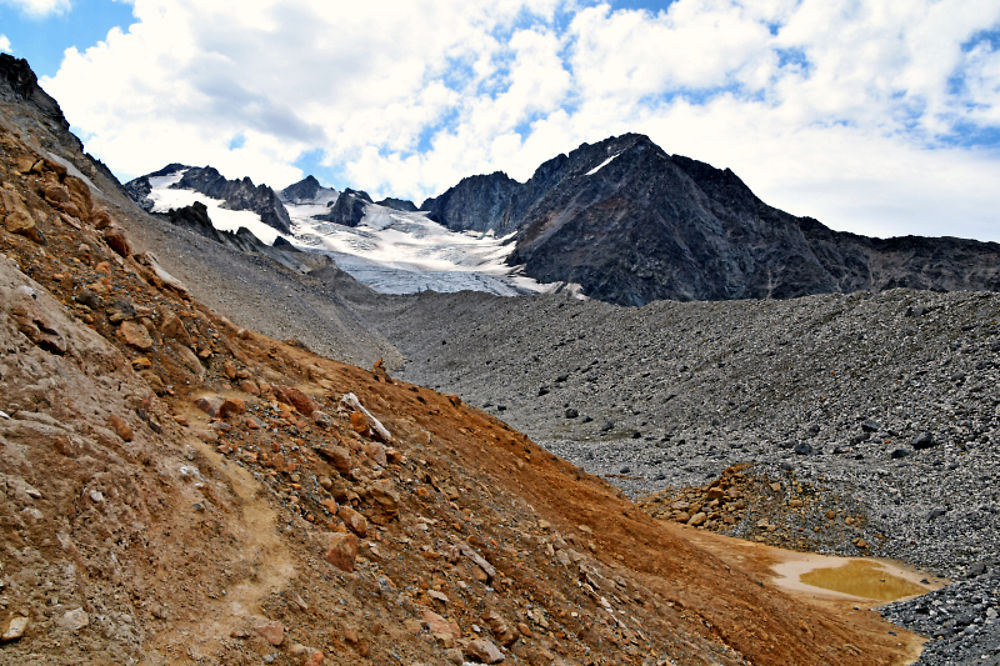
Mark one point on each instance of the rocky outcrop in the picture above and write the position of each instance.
(477, 203)
(404, 205)
(195, 218)
(238, 195)
(308, 190)
(18, 83)
(349, 209)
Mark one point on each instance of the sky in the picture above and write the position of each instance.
(880, 117)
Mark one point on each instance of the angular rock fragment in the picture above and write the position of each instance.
(342, 551)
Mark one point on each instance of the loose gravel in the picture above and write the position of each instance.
(888, 399)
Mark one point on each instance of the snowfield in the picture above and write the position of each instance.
(164, 198)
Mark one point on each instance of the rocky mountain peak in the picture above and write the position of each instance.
(349, 209)
(18, 83)
(240, 194)
(304, 190)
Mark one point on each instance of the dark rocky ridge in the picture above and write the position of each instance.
(22, 85)
(398, 204)
(349, 209)
(307, 190)
(477, 203)
(195, 218)
(304, 190)
(238, 195)
(632, 224)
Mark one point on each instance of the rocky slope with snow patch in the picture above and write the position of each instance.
(632, 224)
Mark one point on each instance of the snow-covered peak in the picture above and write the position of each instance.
(165, 197)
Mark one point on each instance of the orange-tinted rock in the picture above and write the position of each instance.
(445, 631)
(273, 632)
(247, 386)
(117, 241)
(121, 428)
(386, 499)
(360, 423)
(356, 522)
(17, 218)
(209, 404)
(100, 218)
(376, 452)
(342, 551)
(172, 327)
(302, 403)
(231, 406)
(135, 334)
(338, 456)
(56, 194)
(483, 651)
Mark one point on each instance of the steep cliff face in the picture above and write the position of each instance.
(477, 203)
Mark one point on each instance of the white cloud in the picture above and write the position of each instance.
(40, 8)
(855, 113)
(4, 44)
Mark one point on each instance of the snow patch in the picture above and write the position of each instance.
(602, 165)
(164, 199)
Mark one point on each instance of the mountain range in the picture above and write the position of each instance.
(629, 224)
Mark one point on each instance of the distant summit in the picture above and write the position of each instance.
(308, 191)
(632, 224)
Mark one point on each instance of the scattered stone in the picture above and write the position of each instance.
(803, 448)
(172, 327)
(121, 428)
(290, 395)
(445, 631)
(923, 441)
(135, 334)
(272, 632)
(483, 651)
(869, 426)
(231, 407)
(342, 550)
(116, 239)
(354, 520)
(360, 423)
(15, 629)
(383, 492)
(18, 219)
(74, 620)
(338, 456)
(209, 404)
(502, 631)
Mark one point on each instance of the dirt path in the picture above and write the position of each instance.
(269, 560)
